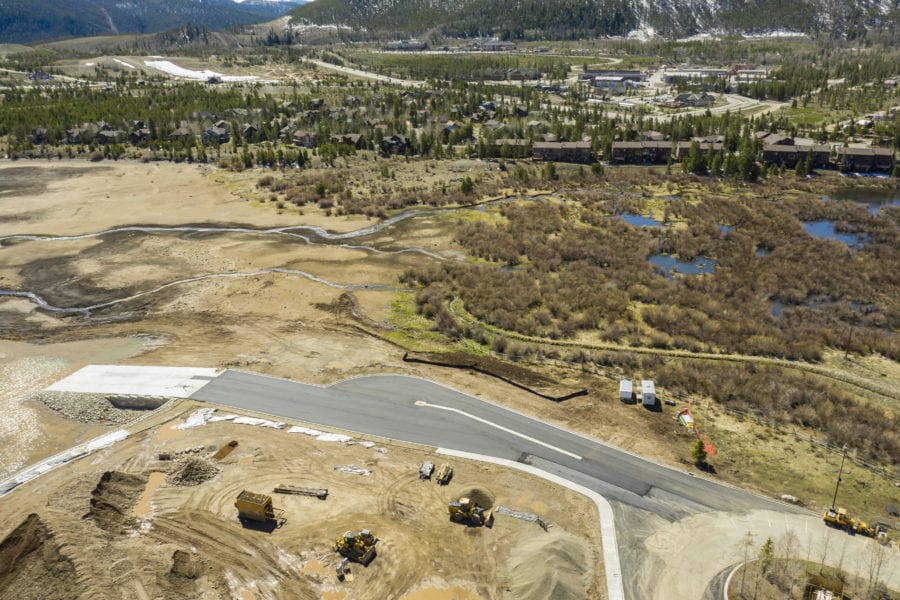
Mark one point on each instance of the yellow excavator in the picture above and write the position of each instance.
(466, 511)
(358, 547)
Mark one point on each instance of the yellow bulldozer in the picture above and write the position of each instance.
(358, 547)
(466, 511)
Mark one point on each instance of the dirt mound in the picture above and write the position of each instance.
(87, 408)
(551, 566)
(186, 564)
(27, 555)
(113, 498)
(479, 495)
(192, 470)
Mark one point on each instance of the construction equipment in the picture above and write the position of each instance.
(257, 507)
(358, 547)
(881, 535)
(466, 511)
(284, 488)
(342, 570)
(426, 470)
(444, 474)
(840, 519)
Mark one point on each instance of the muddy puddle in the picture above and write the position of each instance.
(317, 568)
(452, 593)
(143, 509)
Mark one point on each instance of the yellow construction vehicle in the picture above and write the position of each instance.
(466, 511)
(257, 507)
(358, 547)
(838, 518)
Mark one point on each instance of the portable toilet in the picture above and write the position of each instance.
(648, 393)
(626, 390)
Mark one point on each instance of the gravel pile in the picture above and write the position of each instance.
(192, 470)
(86, 408)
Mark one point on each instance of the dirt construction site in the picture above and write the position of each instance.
(124, 524)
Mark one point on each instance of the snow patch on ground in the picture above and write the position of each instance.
(320, 435)
(57, 460)
(202, 416)
(171, 68)
(122, 62)
(172, 382)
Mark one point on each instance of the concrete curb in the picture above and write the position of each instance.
(612, 566)
(731, 574)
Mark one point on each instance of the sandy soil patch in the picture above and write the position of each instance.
(25, 370)
(81, 197)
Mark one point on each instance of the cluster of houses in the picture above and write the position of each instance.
(613, 81)
(517, 74)
(405, 46)
(776, 150)
(550, 151)
(690, 100)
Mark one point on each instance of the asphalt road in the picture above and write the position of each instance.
(391, 406)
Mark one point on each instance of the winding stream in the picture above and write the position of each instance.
(86, 310)
(315, 235)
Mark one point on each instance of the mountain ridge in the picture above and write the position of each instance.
(569, 19)
(37, 20)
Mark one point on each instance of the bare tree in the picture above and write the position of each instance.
(745, 545)
(877, 554)
(785, 550)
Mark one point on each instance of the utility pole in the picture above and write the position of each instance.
(840, 472)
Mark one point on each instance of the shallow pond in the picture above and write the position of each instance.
(669, 265)
(640, 220)
(874, 199)
(825, 229)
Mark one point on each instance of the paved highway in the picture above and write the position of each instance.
(420, 411)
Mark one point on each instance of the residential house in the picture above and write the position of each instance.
(111, 136)
(641, 153)
(215, 135)
(682, 148)
(405, 46)
(349, 139)
(524, 74)
(576, 152)
(181, 132)
(511, 148)
(651, 136)
(248, 132)
(304, 138)
(690, 100)
(494, 46)
(773, 139)
(790, 155)
(139, 135)
(865, 159)
(39, 135)
(394, 144)
(76, 135)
